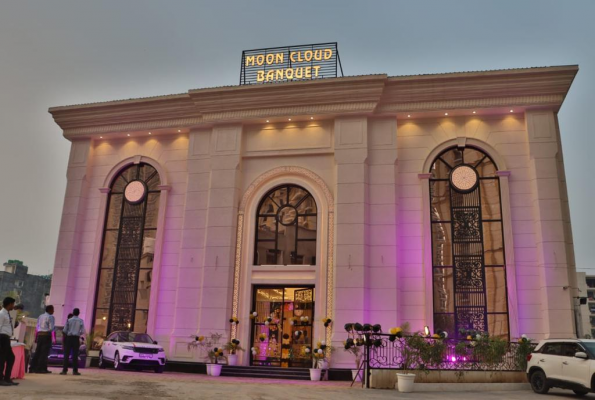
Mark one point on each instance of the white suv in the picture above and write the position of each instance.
(562, 363)
(137, 350)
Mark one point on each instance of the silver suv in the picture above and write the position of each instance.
(562, 363)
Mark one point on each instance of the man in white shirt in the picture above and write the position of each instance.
(73, 330)
(45, 329)
(6, 332)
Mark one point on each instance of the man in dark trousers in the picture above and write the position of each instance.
(45, 329)
(6, 332)
(73, 330)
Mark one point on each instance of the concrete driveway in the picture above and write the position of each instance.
(97, 384)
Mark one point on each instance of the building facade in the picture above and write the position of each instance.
(438, 200)
(27, 289)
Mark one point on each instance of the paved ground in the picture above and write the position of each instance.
(97, 384)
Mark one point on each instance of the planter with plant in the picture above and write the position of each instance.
(354, 346)
(419, 352)
(216, 355)
(232, 347)
(206, 344)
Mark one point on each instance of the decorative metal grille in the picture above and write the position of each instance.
(463, 299)
(286, 225)
(117, 299)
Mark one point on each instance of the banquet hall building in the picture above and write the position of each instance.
(439, 200)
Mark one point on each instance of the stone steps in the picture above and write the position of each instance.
(266, 372)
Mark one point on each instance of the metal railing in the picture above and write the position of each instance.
(386, 352)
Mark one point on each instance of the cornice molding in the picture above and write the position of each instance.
(539, 87)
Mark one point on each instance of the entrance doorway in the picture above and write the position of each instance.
(281, 342)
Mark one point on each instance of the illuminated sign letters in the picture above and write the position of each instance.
(293, 63)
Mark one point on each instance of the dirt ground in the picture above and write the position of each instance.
(97, 384)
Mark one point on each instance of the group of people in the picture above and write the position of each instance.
(72, 332)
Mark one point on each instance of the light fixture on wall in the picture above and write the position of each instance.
(474, 112)
(128, 134)
(445, 113)
(267, 120)
(150, 133)
(179, 130)
(100, 137)
(311, 117)
(408, 115)
(511, 110)
(289, 119)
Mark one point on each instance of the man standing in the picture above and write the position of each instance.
(73, 330)
(45, 329)
(6, 332)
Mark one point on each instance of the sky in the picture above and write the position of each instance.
(63, 52)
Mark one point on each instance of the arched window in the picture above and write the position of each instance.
(124, 284)
(468, 259)
(286, 227)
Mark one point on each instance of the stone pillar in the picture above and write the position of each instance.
(554, 258)
(221, 224)
(381, 290)
(63, 290)
(351, 199)
(190, 271)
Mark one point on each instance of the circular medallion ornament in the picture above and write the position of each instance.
(464, 178)
(135, 192)
(287, 215)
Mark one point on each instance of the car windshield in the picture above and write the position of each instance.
(590, 346)
(134, 337)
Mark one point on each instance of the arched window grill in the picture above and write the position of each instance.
(286, 223)
(468, 255)
(125, 273)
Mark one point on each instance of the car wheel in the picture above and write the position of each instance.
(117, 364)
(539, 382)
(160, 369)
(102, 363)
(581, 392)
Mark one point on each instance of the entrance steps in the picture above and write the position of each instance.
(302, 374)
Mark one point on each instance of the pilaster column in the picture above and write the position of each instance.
(351, 253)
(552, 252)
(221, 224)
(63, 291)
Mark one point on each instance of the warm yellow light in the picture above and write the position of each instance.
(311, 117)
(289, 119)
(408, 115)
(511, 110)
(149, 133)
(129, 134)
(104, 318)
(179, 130)
(474, 112)
(100, 137)
(267, 120)
(445, 113)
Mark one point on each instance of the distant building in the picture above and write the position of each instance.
(29, 290)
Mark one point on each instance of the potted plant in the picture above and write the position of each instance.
(419, 352)
(215, 355)
(92, 351)
(203, 343)
(353, 346)
(322, 352)
(232, 347)
(315, 371)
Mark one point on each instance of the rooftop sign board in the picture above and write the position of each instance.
(291, 63)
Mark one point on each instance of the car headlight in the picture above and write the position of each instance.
(128, 347)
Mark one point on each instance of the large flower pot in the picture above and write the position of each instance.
(322, 364)
(315, 374)
(405, 382)
(209, 369)
(216, 369)
(357, 375)
(232, 359)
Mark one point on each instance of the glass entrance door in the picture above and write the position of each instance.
(281, 341)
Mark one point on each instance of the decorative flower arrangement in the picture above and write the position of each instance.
(253, 314)
(327, 322)
(215, 354)
(395, 333)
(204, 342)
(262, 337)
(524, 339)
(234, 321)
(233, 346)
